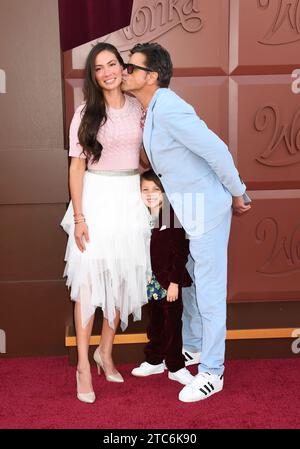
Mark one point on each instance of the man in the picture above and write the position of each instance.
(200, 180)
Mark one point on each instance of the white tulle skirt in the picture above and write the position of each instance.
(112, 273)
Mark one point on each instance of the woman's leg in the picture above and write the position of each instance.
(83, 340)
(106, 344)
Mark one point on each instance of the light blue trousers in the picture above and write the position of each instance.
(204, 303)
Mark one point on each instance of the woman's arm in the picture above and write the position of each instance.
(76, 173)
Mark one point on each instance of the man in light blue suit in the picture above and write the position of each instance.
(203, 186)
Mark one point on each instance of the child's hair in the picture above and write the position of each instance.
(150, 175)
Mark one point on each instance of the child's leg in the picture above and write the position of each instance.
(173, 334)
(154, 350)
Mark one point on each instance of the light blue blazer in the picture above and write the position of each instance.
(194, 165)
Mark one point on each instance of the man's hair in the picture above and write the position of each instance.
(150, 175)
(157, 59)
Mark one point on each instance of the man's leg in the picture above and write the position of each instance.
(191, 319)
(210, 255)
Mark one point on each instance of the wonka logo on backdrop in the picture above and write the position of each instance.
(157, 18)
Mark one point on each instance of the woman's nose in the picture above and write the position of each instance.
(106, 71)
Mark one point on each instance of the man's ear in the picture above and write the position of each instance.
(152, 78)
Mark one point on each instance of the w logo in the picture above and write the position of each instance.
(2, 82)
(2, 342)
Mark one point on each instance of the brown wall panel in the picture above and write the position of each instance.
(263, 315)
(73, 98)
(264, 258)
(34, 244)
(33, 180)
(264, 36)
(186, 25)
(31, 109)
(264, 130)
(33, 176)
(192, 55)
(260, 349)
(33, 316)
(209, 96)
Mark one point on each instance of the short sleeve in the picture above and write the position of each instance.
(75, 149)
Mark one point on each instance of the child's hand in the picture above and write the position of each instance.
(172, 293)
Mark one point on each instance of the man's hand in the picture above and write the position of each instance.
(239, 206)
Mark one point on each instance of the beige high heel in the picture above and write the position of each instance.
(110, 377)
(89, 398)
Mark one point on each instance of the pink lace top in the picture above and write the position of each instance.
(120, 136)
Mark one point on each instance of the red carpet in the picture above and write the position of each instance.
(40, 393)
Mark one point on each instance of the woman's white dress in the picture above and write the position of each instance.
(113, 271)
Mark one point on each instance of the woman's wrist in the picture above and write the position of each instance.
(79, 218)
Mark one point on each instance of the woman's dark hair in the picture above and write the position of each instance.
(158, 59)
(94, 112)
(150, 175)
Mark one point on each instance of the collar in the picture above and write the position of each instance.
(160, 91)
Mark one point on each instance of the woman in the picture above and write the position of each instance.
(107, 256)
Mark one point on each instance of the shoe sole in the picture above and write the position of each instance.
(176, 380)
(146, 375)
(216, 390)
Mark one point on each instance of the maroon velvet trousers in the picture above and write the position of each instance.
(165, 334)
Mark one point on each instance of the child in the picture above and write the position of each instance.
(169, 253)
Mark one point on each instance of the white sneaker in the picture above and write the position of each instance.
(146, 369)
(191, 358)
(183, 376)
(203, 386)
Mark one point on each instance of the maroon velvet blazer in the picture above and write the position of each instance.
(169, 253)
